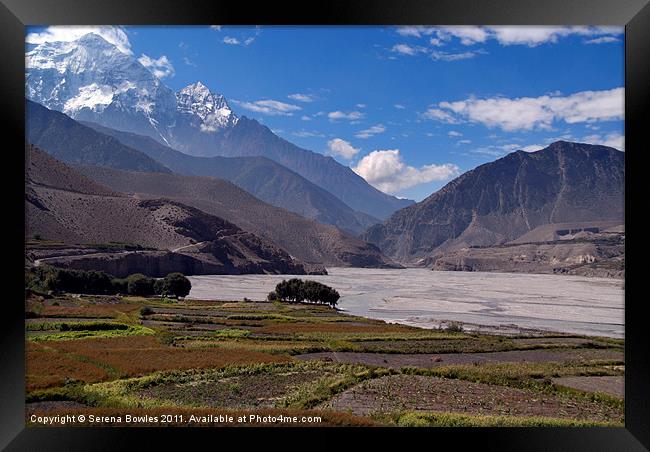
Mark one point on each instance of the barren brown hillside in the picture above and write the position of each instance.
(305, 239)
(65, 206)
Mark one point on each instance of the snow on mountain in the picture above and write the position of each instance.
(91, 79)
(213, 109)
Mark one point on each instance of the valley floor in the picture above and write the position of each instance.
(503, 303)
(112, 356)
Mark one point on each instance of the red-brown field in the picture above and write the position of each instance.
(92, 360)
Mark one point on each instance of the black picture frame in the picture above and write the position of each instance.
(16, 14)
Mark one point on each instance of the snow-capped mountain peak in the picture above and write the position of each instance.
(91, 79)
(213, 109)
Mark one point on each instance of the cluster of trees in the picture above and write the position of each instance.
(99, 283)
(296, 290)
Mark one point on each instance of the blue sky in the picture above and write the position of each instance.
(408, 108)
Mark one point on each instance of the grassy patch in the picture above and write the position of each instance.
(63, 331)
(418, 419)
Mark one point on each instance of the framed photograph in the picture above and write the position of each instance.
(374, 216)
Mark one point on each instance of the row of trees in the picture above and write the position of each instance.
(99, 283)
(296, 290)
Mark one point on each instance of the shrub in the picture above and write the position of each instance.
(146, 310)
(272, 296)
(120, 285)
(47, 278)
(297, 290)
(454, 327)
(174, 284)
(139, 284)
(44, 278)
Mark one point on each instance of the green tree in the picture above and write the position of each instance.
(175, 284)
(139, 284)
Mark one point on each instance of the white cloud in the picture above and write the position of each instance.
(416, 31)
(533, 36)
(385, 170)
(302, 97)
(464, 141)
(372, 131)
(307, 134)
(361, 105)
(405, 49)
(453, 133)
(447, 56)
(305, 118)
(351, 116)
(527, 113)
(216, 27)
(468, 35)
(509, 35)
(532, 148)
(440, 115)
(614, 140)
(161, 67)
(189, 62)
(113, 35)
(342, 148)
(232, 41)
(399, 106)
(602, 40)
(269, 107)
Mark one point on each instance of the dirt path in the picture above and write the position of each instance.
(176, 250)
(609, 385)
(397, 360)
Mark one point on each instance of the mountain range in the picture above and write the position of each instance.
(90, 79)
(260, 176)
(500, 201)
(115, 164)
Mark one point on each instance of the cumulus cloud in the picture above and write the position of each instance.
(269, 107)
(371, 131)
(351, 116)
(341, 148)
(216, 27)
(453, 133)
(302, 97)
(160, 67)
(399, 106)
(385, 170)
(527, 113)
(112, 34)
